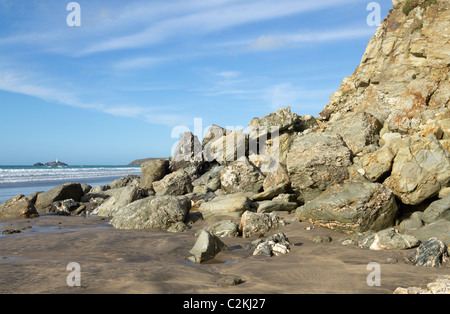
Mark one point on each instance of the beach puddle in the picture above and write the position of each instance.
(210, 262)
(27, 230)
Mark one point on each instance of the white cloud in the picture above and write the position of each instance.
(31, 84)
(198, 20)
(266, 42)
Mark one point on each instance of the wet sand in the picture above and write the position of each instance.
(155, 262)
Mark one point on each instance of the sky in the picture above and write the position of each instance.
(134, 74)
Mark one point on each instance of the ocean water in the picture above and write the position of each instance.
(15, 180)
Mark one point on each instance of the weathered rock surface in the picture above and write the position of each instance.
(231, 205)
(430, 253)
(402, 79)
(154, 212)
(440, 286)
(227, 148)
(120, 199)
(439, 209)
(206, 247)
(387, 239)
(176, 183)
(66, 191)
(317, 160)
(439, 229)
(354, 206)
(241, 176)
(224, 228)
(273, 206)
(277, 244)
(152, 171)
(18, 207)
(420, 170)
(358, 130)
(256, 224)
(271, 193)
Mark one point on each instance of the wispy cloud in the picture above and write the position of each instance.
(35, 85)
(207, 19)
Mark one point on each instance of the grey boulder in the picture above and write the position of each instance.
(154, 212)
(354, 206)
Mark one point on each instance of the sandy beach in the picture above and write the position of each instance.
(155, 262)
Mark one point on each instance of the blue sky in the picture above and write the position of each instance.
(114, 89)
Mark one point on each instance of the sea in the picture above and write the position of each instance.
(15, 180)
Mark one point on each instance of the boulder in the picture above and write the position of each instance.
(188, 149)
(152, 171)
(354, 206)
(257, 224)
(154, 212)
(358, 130)
(123, 182)
(271, 193)
(277, 244)
(224, 228)
(375, 166)
(439, 229)
(273, 206)
(176, 183)
(120, 199)
(420, 170)
(241, 176)
(210, 175)
(64, 208)
(86, 188)
(18, 207)
(278, 176)
(437, 210)
(282, 118)
(227, 148)
(430, 253)
(206, 247)
(387, 239)
(66, 191)
(414, 222)
(231, 205)
(317, 160)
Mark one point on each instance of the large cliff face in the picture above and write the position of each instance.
(403, 77)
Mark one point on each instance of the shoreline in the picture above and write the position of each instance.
(155, 262)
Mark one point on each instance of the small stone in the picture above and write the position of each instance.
(321, 239)
(230, 281)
